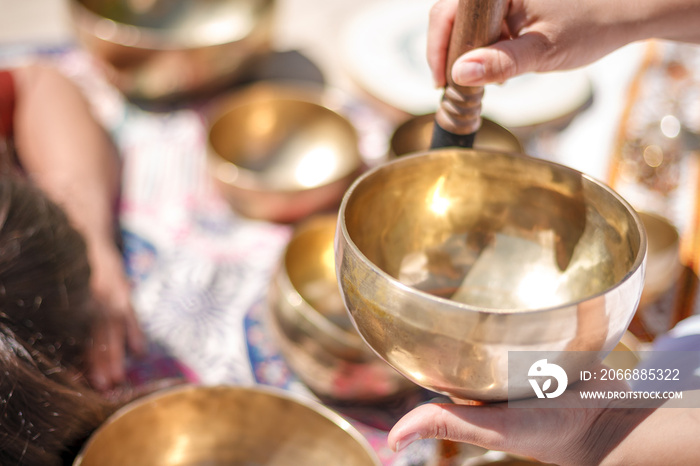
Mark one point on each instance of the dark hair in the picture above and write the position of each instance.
(46, 315)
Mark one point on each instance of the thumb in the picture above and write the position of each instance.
(478, 425)
(501, 61)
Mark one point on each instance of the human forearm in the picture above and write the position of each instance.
(66, 152)
(668, 435)
(677, 20)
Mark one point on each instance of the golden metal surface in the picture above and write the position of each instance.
(313, 329)
(157, 49)
(449, 259)
(226, 426)
(414, 135)
(625, 355)
(663, 257)
(278, 153)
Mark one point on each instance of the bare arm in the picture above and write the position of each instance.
(71, 158)
(667, 436)
(66, 152)
(548, 35)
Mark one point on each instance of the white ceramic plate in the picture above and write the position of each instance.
(383, 48)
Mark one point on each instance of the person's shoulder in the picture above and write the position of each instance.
(7, 102)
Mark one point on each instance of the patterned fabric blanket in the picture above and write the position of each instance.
(200, 273)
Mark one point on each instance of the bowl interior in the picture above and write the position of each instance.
(277, 140)
(493, 230)
(414, 135)
(663, 236)
(183, 22)
(225, 426)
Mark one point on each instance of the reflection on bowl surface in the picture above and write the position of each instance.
(157, 49)
(278, 153)
(225, 425)
(449, 259)
(182, 22)
(313, 329)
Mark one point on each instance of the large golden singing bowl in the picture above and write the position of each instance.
(414, 135)
(223, 426)
(449, 259)
(313, 329)
(167, 49)
(279, 153)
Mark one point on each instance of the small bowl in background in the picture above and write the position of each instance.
(313, 329)
(163, 50)
(225, 425)
(626, 354)
(279, 153)
(414, 135)
(663, 260)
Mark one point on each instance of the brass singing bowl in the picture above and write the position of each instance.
(158, 50)
(664, 266)
(449, 259)
(280, 153)
(414, 135)
(625, 355)
(226, 425)
(313, 329)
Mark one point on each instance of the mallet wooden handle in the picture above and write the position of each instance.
(477, 23)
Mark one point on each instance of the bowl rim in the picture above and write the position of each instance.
(455, 306)
(667, 224)
(149, 38)
(425, 118)
(268, 390)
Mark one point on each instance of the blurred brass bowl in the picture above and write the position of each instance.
(625, 355)
(279, 153)
(158, 49)
(225, 425)
(449, 259)
(414, 135)
(663, 257)
(313, 329)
